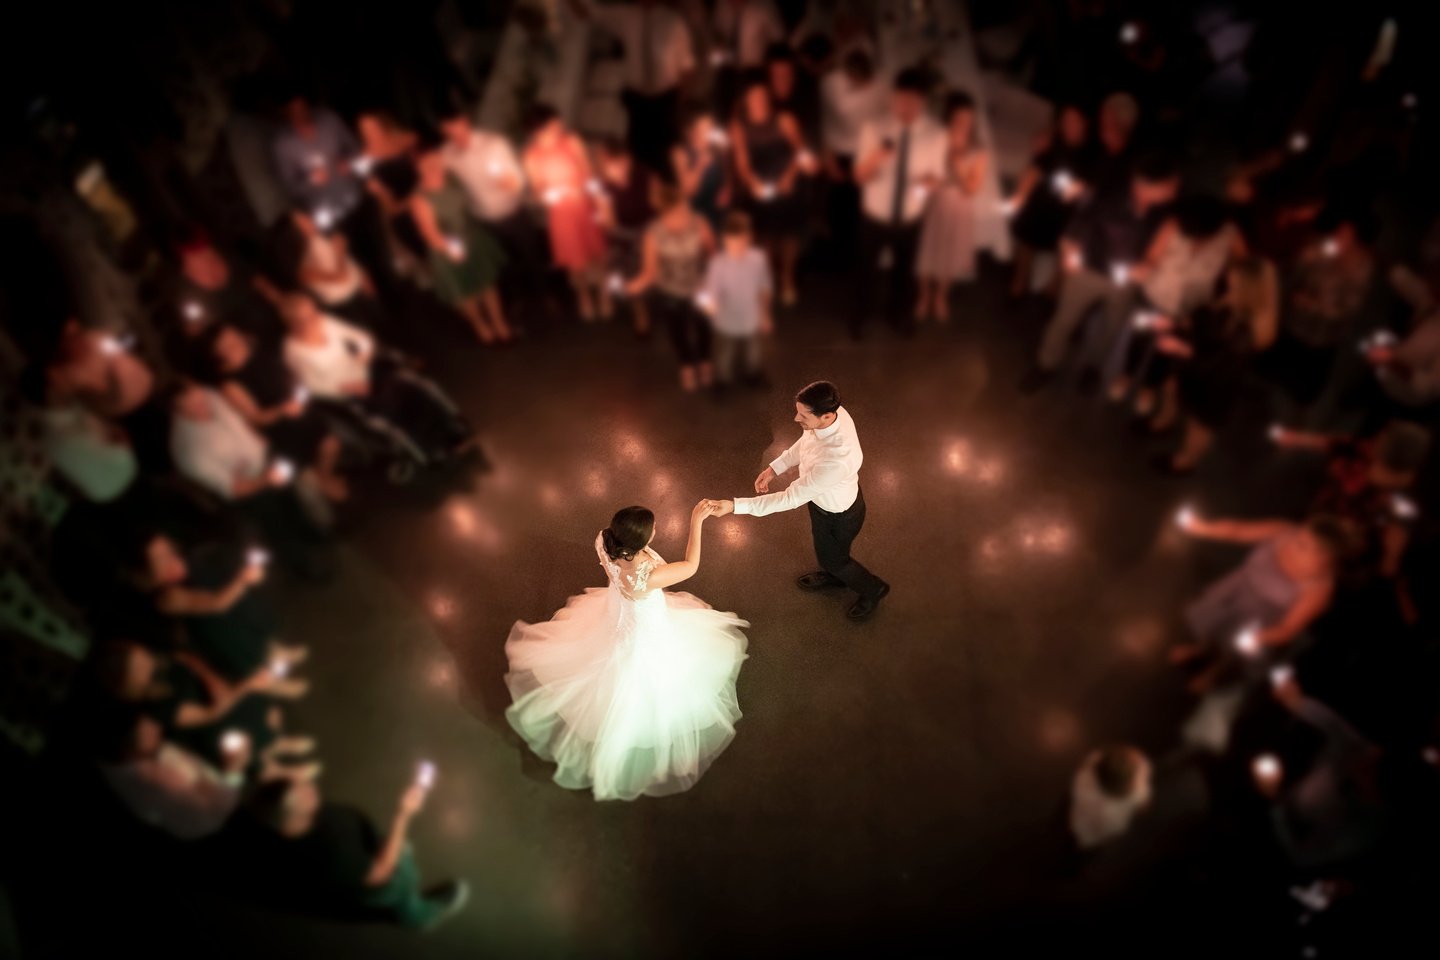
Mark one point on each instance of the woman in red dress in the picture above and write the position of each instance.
(559, 172)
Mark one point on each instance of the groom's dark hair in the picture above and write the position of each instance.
(821, 397)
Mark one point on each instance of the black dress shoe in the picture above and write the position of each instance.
(863, 607)
(1035, 379)
(819, 581)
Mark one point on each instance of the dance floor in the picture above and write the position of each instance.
(892, 784)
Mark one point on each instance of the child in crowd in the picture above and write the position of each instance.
(737, 296)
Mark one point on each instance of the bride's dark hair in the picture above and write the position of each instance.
(629, 531)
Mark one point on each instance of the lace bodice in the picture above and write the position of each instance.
(634, 583)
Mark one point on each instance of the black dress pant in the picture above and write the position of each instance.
(689, 328)
(893, 282)
(833, 534)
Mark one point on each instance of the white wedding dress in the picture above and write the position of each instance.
(627, 690)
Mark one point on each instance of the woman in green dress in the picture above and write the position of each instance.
(465, 260)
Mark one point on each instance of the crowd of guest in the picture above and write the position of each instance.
(281, 390)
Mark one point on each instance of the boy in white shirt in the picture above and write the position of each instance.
(736, 295)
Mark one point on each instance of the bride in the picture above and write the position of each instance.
(629, 689)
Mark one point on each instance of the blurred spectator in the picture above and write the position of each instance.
(1285, 583)
(387, 166)
(1044, 198)
(92, 454)
(216, 289)
(1369, 484)
(1110, 789)
(1115, 163)
(737, 293)
(659, 56)
(701, 164)
(769, 154)
(465, 260)
(1211, 357)
(675, 250)
(330, 859)
(791, 92)
(103, 374)
(324, 267)
(559, 173)
(899, 159)
(1408, 373)
(1326, 289)
(261, 389)
(946, 254)
(744, 32)
(850, 97)
(1103, 244)
(487, 167)
(164, 784)
(629, 191)
(847, 25)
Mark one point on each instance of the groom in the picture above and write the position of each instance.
(828, 455)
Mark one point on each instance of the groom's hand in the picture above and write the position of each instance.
(723, 507)
(762, 482)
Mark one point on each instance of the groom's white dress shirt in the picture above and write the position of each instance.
(829, 461)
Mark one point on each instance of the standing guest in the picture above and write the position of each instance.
(790, 92)
(1369, 483)
(744, 31)
(559, 174)
(387, 166)
(165, 785)
(94, 455)
(1211, 357)
(1110, 789)
(768, 164)
(1408, 373)
(229, 620)
(1115, 164)
(1285, 583)
(1177, 276)
(1108, 237)
(899, 160)
(1044, 200)
(737, 295)
(1326, 288)
(330, 859)
(701, 164)
(215, 448)
(214, 288)
(947, 238)
(326, 269)
(675, 250)
(629, 191)
(316, 157)
(487, 167)
(465, 260)
(261, 389)
(850, 96)
(846, 24)
(659, 57)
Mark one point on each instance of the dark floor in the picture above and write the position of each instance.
(897, 782)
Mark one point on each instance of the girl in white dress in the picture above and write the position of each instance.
(629, 690)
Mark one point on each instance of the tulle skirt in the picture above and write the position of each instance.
(627, 697)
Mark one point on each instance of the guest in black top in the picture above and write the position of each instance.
(260, 386)
(214, 289)
(769, 153)
(1044, 200)
(630, 191)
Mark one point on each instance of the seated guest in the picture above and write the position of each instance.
(229, 622)
(92, 454)
(320, 163)
(197, 707)
(465, 260)
(214, 447)
(340, 363)
(1369, 483)
(1109, 235)
(215, 289)
(1110, 789)
(1285, 583)
(164, 784)
(486, 166)
(261, 388)
(330, 859)
(630, 194)
(324, 266)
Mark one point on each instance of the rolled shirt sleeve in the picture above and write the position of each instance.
(800, 492)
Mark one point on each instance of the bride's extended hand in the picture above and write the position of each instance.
(703, 509)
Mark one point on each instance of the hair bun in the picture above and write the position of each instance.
(613, 548)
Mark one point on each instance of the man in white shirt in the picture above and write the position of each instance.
(850, 97)
(899, 160)
(828, 456)
(487, 167)
(659, 56)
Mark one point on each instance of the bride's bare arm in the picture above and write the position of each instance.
(673, 573)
